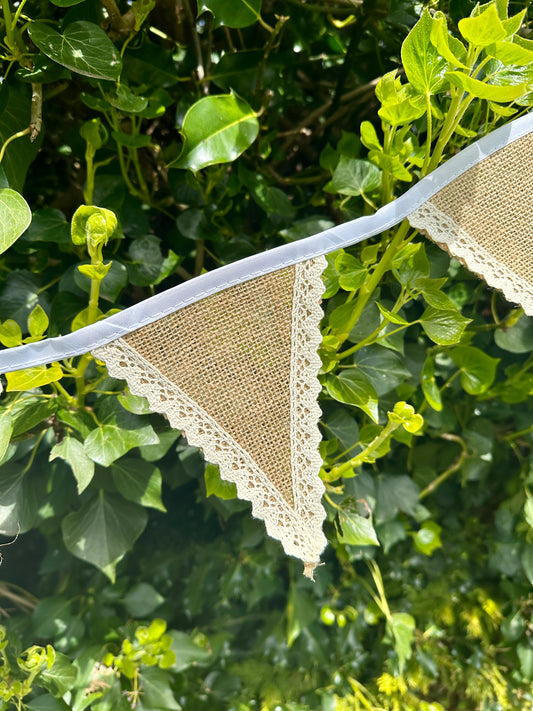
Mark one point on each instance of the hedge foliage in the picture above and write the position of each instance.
(194, 136)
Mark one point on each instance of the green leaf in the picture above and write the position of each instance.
(351, 272)
(107, 443)
(477, 368)
(510, 53)
(384, 368)
(216, 129)
(123, 99)
(353, 176)
(527, 560)
(446, 45)
(401, 627)
(48, 225)
(47, 702)
(103, 530)
(525, 656)
(341, 425)
(369, 137)
(491, 92)
(147, 259)
(518, 338)
(427, 538)
(31, 378)
(301, 611)
(18, 501)
(92, 225)
(138, 481)
(528, 511)
(429, 385)
(83, 47)
(29, 411)
(6, 430)
(484, 29)
(187, 653)
(215, 485)
(73, 452)
(424, 66)
(356, 530)
(442, 326)
(157, 690)
(354, 388)
(142, 599)
(15, 100)
(10, 334)
(61, 677)
(232, 13)
(15, 216)
(37, 321)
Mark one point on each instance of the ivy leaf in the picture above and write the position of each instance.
(61, 676)
(424, 66)
(427, 538)
(30, 378)
(444, 327)
(354, 388)
(18, 500)
(138, 481)
(483, 29)
(477, 368)
(446, 45)
(352, 273)
(510, 53)
(353, 176)
(103, 530)
(216, 129)
(384, 368)
(6, 430)
(72, 451)
(142, 599)
(109, 442)
(215, 485)
(157, 689)
(401, 627)
(356, 530)
(83, 47)
(429, 385)
(37, 322)
(518, 338)
(15, 217)
(491, 92)
(233, 13)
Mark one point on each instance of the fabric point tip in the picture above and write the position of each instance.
(309, 570)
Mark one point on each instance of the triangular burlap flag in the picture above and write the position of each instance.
(237, 373)
(230, 357)
(485, 218)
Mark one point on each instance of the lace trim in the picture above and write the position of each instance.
(298, 529)
(447, 233)
(306, 338)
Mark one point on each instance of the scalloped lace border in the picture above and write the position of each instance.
(445, 231)
(298, 529)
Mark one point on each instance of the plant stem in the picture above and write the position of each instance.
(366, 291)
(19, 134)
(446, 474)
(363, 456)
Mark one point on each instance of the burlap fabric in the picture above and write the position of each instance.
(485, 218)
(237, 372)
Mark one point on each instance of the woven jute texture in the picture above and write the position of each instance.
(231, 353)
(493, 203)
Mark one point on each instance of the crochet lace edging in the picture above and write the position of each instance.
(447, 233)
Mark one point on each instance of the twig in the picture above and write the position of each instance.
(36, 115)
